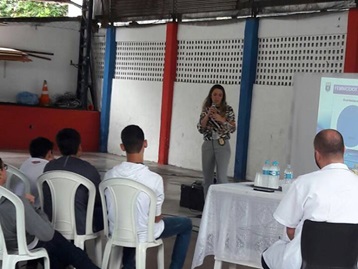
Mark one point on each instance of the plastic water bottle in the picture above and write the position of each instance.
(274, 175)
(266, 168)
(288, 174)
(275, 169)
(261, 179)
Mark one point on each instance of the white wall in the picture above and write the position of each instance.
(185, 140)
(146, 33)
(270, 126)
(272, 106)
(139, 102)
(271, 115)
(136, 102)
(305, 24)
(60, 38)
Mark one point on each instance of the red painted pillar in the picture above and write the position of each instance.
(170, 64)
(351, 58)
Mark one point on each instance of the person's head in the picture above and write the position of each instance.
(41, 147)
(217, 96)
(69, 142)
(3, 168)
(133, 141)
(329, 147)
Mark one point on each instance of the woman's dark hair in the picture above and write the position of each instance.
(208, 102)
(1, 164)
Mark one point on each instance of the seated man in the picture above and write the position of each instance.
(41, 153)
(133, 143)
(69, 143)
(329, 194)
(61, 252)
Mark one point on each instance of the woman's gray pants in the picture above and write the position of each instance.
(214, 156)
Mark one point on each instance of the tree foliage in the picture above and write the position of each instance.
(24, 8)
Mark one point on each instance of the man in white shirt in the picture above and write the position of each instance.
(329, 194)
(41, 151)
(133, 143)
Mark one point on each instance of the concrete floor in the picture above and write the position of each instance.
(173, 178)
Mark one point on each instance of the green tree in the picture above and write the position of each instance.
(23, 8)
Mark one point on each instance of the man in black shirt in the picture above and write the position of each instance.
(69, 143)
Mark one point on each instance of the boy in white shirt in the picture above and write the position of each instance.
(41, 151)
(133, 143)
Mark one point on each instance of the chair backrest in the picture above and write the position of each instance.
(124, 194)
(329, 245)
(20, 224)
(3, 249)
(63, 186)
(17, 181)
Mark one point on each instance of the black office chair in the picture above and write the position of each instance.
(327, 245)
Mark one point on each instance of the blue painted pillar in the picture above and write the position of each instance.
(248, 76)
(108, 74)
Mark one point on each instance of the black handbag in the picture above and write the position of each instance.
(192, 196)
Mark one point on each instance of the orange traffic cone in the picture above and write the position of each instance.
(44, 98)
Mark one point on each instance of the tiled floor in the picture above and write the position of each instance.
(173, 178)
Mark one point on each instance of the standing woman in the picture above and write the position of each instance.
(217, 121)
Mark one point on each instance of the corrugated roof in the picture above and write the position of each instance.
(139, 10)
(128, 10)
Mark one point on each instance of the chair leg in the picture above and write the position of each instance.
(115, 259)
(160, 256)
(80, 244)
(106, 255)
(141, 255)
(98, 250)
(46, 263)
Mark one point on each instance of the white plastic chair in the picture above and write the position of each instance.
(10, 258)
(17, 181)
(63, 186)
(124, 194)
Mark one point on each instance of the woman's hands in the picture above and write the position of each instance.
(212, 111)
(213, 114)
